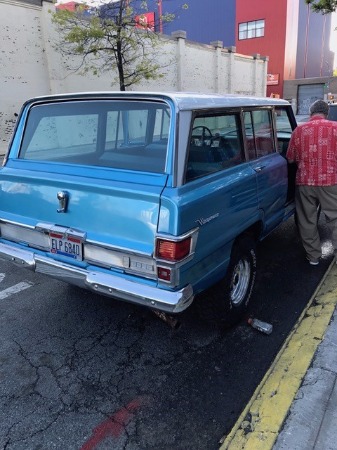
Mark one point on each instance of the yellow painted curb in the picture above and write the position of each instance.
(260, 422)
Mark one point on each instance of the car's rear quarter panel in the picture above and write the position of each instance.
(219, 208)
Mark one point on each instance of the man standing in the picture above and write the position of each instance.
(313, 147)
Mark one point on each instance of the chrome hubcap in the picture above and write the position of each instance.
(240, 281)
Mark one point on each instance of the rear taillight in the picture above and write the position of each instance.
(173, 251)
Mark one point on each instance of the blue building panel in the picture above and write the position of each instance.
(203, 21)
(314, 57)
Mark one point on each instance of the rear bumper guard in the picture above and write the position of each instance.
(106, 284)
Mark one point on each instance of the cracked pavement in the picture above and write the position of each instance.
(79, 371)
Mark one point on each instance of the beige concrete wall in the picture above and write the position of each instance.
(31, 66)
(23, 68)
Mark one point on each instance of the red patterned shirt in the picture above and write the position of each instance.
(313, 146)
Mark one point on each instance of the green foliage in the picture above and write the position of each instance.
(110, 38)
(322, 6)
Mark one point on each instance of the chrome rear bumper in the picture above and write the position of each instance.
(106, 284)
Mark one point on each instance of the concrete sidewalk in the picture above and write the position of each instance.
(295, 405)
(312, 420)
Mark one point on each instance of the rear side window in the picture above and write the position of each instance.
(118, 134)
(215, 144)
(259, 133)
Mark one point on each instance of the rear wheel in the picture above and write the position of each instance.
(227, 301)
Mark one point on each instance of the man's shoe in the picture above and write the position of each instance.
(313, 261)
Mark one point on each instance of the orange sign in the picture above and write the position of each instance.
(272, 78)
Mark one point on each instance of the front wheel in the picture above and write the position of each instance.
(228, 300)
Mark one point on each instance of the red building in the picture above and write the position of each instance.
(70, 6)
(270, 28)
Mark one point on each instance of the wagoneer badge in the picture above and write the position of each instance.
(62, 197)
(203, 221)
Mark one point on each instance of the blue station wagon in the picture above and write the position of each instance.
(152, 198)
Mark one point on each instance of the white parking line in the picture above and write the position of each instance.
(14, 289)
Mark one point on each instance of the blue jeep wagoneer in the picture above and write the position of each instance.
(151, 198)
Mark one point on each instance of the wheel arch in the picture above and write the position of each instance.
(254, 231)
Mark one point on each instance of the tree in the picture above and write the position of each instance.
(323, 6)
(114, 35)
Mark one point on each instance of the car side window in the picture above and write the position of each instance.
(215, 145)
(284, 129)
(259, 133)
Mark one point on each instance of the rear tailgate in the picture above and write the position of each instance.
(103, 206)
(104, 241)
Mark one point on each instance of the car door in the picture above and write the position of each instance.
(285, 123)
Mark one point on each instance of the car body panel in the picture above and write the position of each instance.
(94, 183)
(130, 215)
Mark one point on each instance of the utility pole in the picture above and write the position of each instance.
(160, 13)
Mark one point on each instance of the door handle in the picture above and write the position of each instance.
(259, 168)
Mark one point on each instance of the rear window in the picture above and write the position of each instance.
(118, 134)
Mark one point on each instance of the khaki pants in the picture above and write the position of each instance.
(307, 200)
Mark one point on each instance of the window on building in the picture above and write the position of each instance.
(250, 30)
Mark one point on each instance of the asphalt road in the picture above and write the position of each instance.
(81, 372)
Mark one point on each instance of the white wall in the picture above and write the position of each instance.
(31, 66)
(23, 68)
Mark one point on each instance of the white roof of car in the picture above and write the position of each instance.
(183, 100)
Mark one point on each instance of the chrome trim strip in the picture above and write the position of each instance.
(97, 255)
(106, 284)
(30, 236)
(130, 263)
(19, 224)
(65, 231)
(46, 227)
(179, 238)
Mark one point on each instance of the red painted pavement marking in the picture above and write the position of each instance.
(114, 425)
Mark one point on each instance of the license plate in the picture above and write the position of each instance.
(69, 246)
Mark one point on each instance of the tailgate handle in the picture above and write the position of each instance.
(62, 197)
